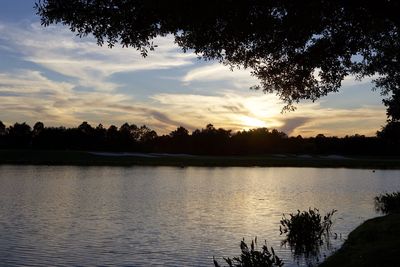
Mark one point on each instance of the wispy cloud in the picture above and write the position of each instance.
(28, 94)
(236, 111)
(238, 78)
(46, 99)
(56, 49)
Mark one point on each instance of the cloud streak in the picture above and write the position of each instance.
(84, 89)
(237, 78)
(90, 65)
(30, 96)
(238, 111)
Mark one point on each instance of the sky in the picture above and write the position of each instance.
(50, 75)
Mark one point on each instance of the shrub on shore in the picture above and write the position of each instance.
(305, 233)
(388, 203)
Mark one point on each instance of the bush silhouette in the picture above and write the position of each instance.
(388, 203)
(252, 257)
(306, 231)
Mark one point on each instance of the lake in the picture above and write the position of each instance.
(168, 216)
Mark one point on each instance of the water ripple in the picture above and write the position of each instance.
(162, 216)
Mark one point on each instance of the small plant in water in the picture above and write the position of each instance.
(388, 203)
(306, 231)
(253, 258)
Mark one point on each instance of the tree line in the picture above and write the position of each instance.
(206, 141)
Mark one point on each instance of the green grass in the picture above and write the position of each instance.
(376, 242)
(39, 157)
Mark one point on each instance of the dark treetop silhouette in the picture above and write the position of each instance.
(206, 141)
(297, 49)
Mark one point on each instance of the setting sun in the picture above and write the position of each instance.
(250, 122)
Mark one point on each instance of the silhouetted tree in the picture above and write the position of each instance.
(393, 106)
(2, 129)
(38, 127)
(3, 133)
(179, 141)
(100, 135)
(180, 132)
(52, 138)
(128, 136)
(112, 138)
(298, 49)
(390, 132)
(207, 141)
(210, 140)
(20, 135)
(146, 134)
(85, 128)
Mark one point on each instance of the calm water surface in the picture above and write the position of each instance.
(141, 216)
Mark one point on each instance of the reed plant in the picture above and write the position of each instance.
(306, 231)
(251, 257)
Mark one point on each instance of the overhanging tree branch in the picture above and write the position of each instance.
(297, 49)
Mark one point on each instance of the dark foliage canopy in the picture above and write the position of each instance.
(206, 141)
(297, 49)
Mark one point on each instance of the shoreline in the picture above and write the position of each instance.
(86, 158)
(375, 242)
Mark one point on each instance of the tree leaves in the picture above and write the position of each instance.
(284, 43)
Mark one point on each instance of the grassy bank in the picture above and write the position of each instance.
(85, 158)
(376, 242)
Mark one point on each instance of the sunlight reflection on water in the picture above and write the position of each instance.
(140, 216)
